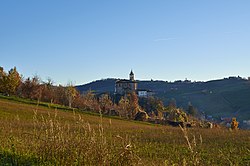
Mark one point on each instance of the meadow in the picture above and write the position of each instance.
(47, 135)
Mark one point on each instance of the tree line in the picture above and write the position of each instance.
(128, 106)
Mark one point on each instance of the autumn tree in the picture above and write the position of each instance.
(1, 72)
(123, 107)
(88, 101)
(60, 96)
(154, 107)
(36, 88)
(234, 124)
(3, 80)
(128, 106)
(14, 80)
(71, 94)
(29, 88)
(177, 115)
(106, 103)
(134, 107)
(47, 91)
(26, 88)
(9, 82)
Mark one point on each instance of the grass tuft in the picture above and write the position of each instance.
(35, 135)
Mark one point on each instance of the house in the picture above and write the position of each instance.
(124, 86)
(144, 93)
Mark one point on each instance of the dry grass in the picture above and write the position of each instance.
(33, 135)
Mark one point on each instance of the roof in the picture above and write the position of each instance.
(125, 81)
(147, 90)
(131, 73)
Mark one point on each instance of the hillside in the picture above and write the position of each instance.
(39, 135)
(219, 98)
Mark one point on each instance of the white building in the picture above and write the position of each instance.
(144, 93)
(124, 86)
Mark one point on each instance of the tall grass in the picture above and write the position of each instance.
(33, 135)
(54, 142)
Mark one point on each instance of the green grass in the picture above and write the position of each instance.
(39, 135)
(35, 102)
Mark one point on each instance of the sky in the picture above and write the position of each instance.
(80, 41)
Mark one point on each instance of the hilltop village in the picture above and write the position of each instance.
(123, 86)
(195, 96)
(152, 109)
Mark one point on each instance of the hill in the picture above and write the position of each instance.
(40, 135)
(218, 98)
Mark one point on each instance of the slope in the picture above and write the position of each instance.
(220, 98)
(37, 135)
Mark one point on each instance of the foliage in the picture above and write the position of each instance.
(123, 107)
(234, 124)
(134, 105)
(153, 106)
(128, 106)
(177, 115)
(106, 104)
(9, 82)
(71, 94)
(30, 88)
(216, 98)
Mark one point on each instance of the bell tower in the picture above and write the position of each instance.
(131, 76)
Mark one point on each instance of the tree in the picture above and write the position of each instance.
(60, 96)
(128, 106)
(47, 91)
(71, 94)
(154, 107)
(3, 80)
(123, 107)
(177, 115)
(28, 88)
(142, 116)
(134, 107)
(191, 110)
(12, 81)
(234, 124)
(36, 88)
(90, 102)
(106, 103)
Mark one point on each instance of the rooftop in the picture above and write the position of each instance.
(125, 81)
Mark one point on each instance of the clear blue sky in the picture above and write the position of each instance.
(84, 40)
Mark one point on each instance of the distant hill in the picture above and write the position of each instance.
(219, 98)
(99, 86)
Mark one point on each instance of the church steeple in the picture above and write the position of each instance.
(132, 76)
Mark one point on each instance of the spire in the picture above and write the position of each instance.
(131, 75)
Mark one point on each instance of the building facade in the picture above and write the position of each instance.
(124, 86)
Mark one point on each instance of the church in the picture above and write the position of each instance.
(125, 86)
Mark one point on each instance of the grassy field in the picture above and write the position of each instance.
(39, 135)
